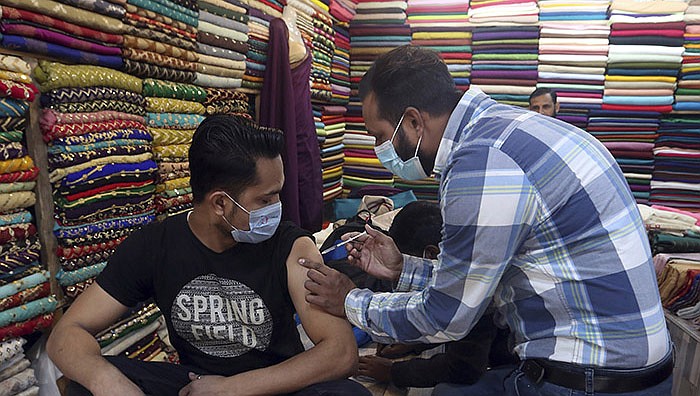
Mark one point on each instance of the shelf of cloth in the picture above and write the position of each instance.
(686, 373)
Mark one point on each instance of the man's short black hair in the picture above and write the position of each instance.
(224, 152)
(410, 76)
(544, 91)
(416, 226)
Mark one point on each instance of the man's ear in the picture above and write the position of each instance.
(216, 202)
(413, 122)
(556, 108)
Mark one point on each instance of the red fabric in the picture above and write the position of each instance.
(72, 252)
(23, 15)
(16, 232)
(108, 187)
(20, 176)
(63, 130)
(27, 327)
(17, 90)
(647, 32)
(659, 109)
(651, 26)
(26, 295)
(459, 55)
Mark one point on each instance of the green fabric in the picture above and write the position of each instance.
(172, 90)
(687, 91)
(12, 136)
(666, 243)
(65, 204)
(504, 57)
(220, 11)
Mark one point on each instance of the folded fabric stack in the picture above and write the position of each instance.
(504, 62)
(503, 12)
(688, 92)
(573, 31)
(100, 164)
(223, 43)
(25, 303)
(16, 375)
(342, 10)
(142, 335)
(340, 67)
(443, 26)
(317, 31)
(679, 284)
(330, 137)
(676, 177)
(174, 112)
(85, 32)
(377, 28)
(671, 230)
(228, 101)
(261, 12)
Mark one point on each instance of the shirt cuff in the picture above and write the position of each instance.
(415, 274)
(356, 305)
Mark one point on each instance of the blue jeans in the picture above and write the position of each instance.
(510, 381)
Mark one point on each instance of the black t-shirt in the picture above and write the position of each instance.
(226, 312)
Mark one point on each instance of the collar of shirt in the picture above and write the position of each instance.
(472, 105)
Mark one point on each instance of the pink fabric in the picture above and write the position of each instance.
(691, 214)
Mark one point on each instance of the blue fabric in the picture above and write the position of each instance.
(639, 100)
(71, 55)
(97, 172)
(28, 311)
(105, 225)
(24, 283)
(67, 278)
(22, 216)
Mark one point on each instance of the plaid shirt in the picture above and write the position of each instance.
(538, 218)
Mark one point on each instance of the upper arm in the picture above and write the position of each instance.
(318, 324)
(93, 310)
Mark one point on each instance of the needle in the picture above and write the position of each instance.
(332, 248)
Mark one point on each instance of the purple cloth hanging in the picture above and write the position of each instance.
(285, 103)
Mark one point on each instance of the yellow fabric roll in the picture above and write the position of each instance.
(14, 64)
(362, 161)
(16, 164)
(165, 137)
(166, 105)
(16, 200)
(171, 151)
(52, 75)
(15, 76)
(641, 78)
(175, 184)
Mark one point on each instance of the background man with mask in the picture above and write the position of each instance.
(225, 278)
(544, 101)
(537, 215)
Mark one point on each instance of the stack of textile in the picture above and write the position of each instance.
(16, 375)
(100, 164)
(676, 178)
(317, 31)
(343, 10)
(174, 111)
(644, 56)
(159, 41)
(24, 289)
(503, 12)
(260, 12)
(142, 335)
(377, 28)
(688, 92)
(224, 27)
(223, 54)
(331, 140)
(227, 101)
(573, 52)
(444, 27)
(89, 35)
(340, 67)
(504, 62)
(679, 284)
(671, 230)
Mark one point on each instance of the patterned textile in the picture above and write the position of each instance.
(143, 317)
(164, 137)
(130, 8)
(221, 62)
(20, 216)
(50, 118)
(13, 107)
(16, 200)
(69, 14)
(158, 47)
(173, 170)
(98, 6)
(217, 94)
(15, 366)
(38, 32)
(106, 136)
(59, 24)
(11, 348)
(103, 171)
(16, 232)
(164, 204)
(58, 174)
(20, 245)
(85, 261)
(163, 105)
(13, 63)
(149, 33)
(219, 52)
(220, 71)
(173, 120)
(229, 107)
(71, 160)
(27, 311)
(17, 90)
(175, 193)
(97, 196)
(57, 149)
(172, 152)
(222, 42)
(24, 283)
(98, 236)
(28, 175)
(24, 296)
(143, 22)
(223, 12)
(8, 124)
(79, 95)
(11, 261)
(208, 80)
(175, 184)
(119, 207)
(16, 164)
(52, 75)
(100, 105)
(158, 59)
(18, 383)
(71, 252)
(154, 6)
(146, 70)
(19, 274)
(75, 290)
(66, 278)
(63, 130)
(17, 186)
(167, 89)
(33, 46)
(12, 150)
(27, 327)
(12, 136)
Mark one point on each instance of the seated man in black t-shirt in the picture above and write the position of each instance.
(226, 278)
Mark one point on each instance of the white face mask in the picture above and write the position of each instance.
(263, 223)
(410, 169)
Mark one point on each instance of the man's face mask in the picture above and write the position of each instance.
(262, 222)
(410, 169)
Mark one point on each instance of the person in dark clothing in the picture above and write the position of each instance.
(416, 231)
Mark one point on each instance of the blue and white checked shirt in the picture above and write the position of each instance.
(537, 215)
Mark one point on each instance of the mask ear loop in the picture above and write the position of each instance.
(396, 130)
(418, 146)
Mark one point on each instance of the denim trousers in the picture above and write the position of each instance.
(510, 381)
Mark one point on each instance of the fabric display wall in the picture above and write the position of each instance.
(16, 375)
(676, 178)
(377, 28)
(643, 60)
(222, 44)
(261, 12)
(25, 301)
(142, 335)
(573, 50)
(444, 27)
(100, 164)
(174, 111)
(340, 67)
(504, 60)
(330, 128)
